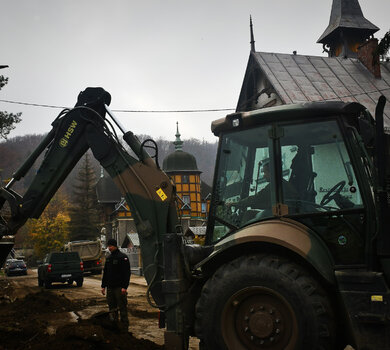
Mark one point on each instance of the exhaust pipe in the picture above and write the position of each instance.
(383, 243)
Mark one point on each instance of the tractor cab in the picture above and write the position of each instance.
(301, 162)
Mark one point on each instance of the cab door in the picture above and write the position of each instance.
(316, 162)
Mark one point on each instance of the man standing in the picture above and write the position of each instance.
(116, 278)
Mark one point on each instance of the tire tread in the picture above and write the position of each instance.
(291, 272)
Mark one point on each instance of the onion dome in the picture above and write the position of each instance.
(180, 161)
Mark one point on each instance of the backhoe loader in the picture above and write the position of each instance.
(305, 267)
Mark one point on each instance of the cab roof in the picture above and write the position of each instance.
(306, 110)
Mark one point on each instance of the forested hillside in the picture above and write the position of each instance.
(14, 151)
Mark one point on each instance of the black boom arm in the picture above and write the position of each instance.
(65, 143)
(147, 190)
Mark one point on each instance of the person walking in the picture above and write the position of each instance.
(116, 278)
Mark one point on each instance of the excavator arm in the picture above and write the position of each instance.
(148, 191)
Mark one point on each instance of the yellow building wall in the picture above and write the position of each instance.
(191, 189)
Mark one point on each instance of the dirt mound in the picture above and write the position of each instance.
(86, 335)
(20, 319)
(24, 323)
(42, 302)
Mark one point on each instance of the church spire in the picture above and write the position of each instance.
(178, 142)
(347, 29)
(252, 36)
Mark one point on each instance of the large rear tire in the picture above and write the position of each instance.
(264, 302)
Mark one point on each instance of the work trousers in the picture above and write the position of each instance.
(118, 301)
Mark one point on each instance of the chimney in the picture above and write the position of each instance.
(368, 56)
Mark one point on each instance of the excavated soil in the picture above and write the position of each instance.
(25, 324)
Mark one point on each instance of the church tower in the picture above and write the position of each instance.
(347, 29)
(182, 168)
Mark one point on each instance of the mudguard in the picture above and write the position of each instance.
(281, 232)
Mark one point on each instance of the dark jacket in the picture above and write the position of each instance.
(116, 271)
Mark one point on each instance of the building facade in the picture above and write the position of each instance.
(193, 203)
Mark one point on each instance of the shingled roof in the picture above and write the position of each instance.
(300, 78)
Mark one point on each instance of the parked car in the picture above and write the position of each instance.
(15, 267)
(64, 267)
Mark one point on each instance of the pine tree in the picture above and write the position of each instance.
(7, 120)
(84, 209)
(384, 45)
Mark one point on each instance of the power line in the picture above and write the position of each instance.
(175, 111)
(168, 111)
(33, 104)
(126, 110)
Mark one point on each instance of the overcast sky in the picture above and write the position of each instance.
(150, 55)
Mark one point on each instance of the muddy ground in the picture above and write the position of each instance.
(66, 317)
(26, 324)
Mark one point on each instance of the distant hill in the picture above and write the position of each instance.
(14, 151)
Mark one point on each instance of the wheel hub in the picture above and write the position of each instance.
(260, 318)
(261, 324)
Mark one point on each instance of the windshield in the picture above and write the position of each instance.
(304, 169)
(240, 176)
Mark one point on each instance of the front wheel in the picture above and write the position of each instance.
(264, 302)
(79, 282)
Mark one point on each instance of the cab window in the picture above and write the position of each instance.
(316, 163)
(241, 175)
